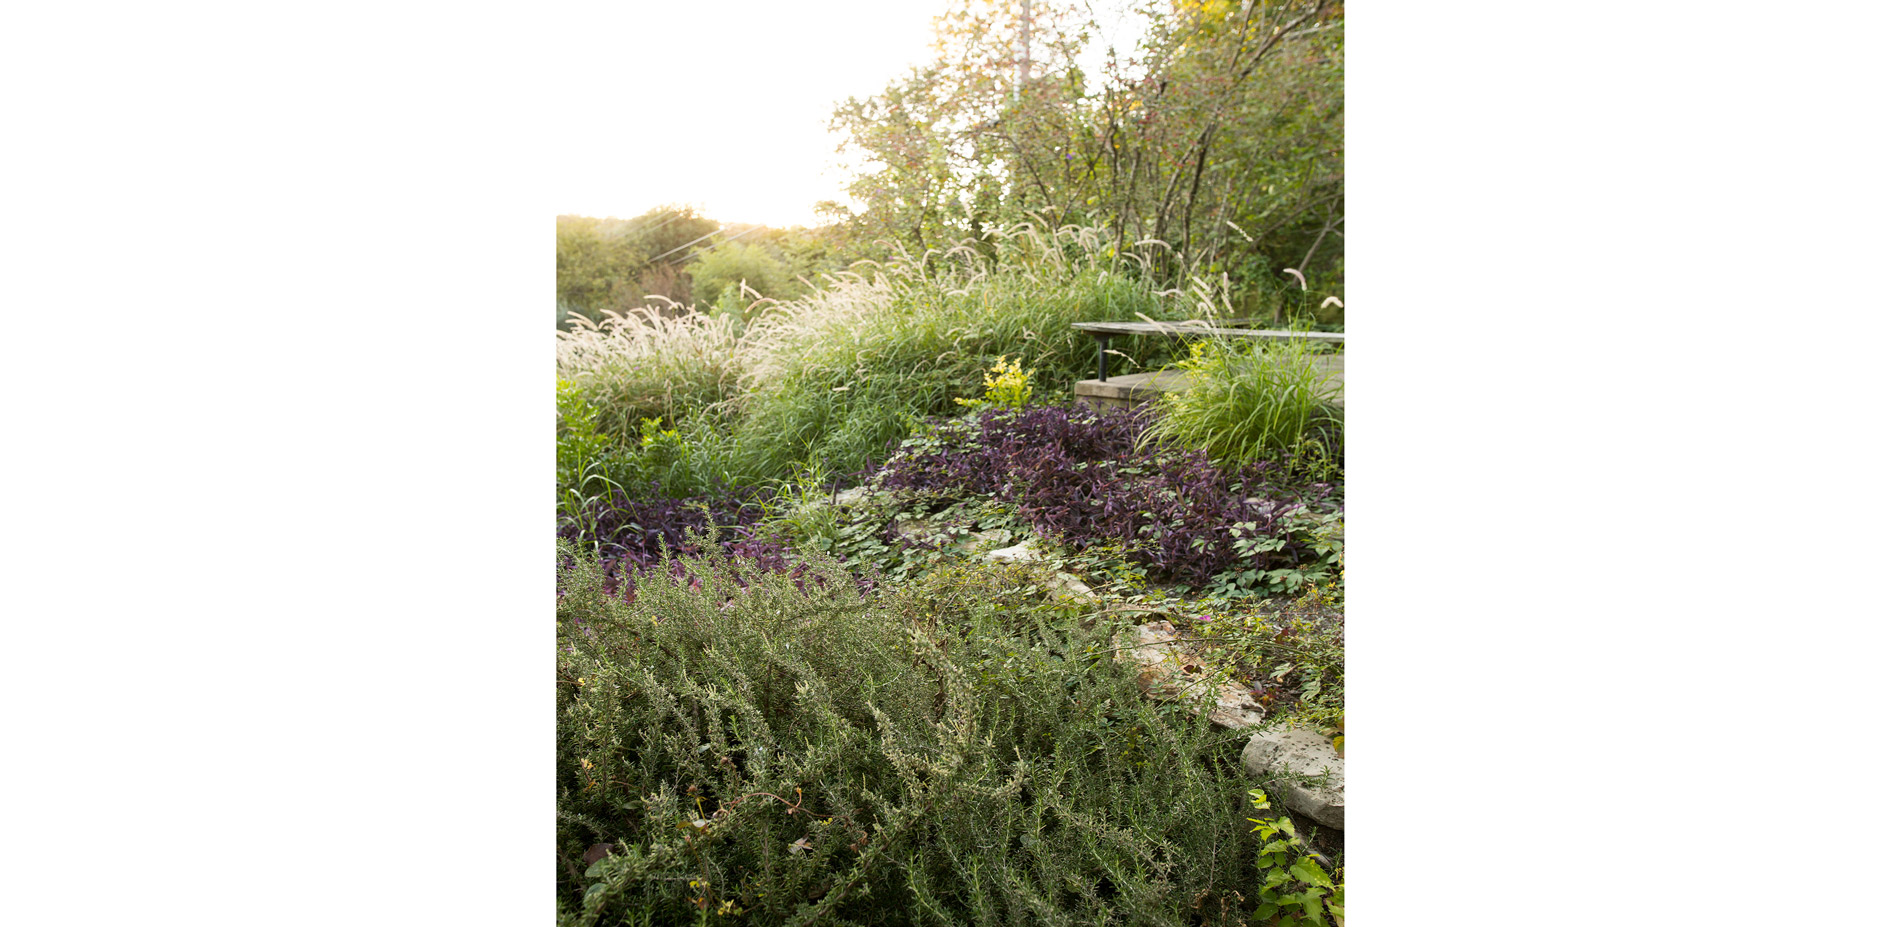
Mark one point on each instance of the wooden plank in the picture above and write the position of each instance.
(1200, 329)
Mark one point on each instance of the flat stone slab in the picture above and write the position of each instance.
(1172, 669)
(1303, 771)
(856, 495)
(1062, 586)
(1026, 552)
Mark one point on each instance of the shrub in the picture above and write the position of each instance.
(1294, 884)
(1009, 389)
(781, 749)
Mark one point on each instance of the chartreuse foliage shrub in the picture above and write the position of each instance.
(1008, 389)
(749, 746)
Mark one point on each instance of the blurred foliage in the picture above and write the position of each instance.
(615, 264)
(726, 267)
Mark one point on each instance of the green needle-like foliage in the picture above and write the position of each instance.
(784, 749)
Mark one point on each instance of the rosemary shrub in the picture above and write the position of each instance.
(751, 747)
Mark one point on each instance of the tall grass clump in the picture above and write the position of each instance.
(1242, 402)
(777, 748)
(648, 364)
(833, 378)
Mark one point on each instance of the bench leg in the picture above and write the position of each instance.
(1101, 359)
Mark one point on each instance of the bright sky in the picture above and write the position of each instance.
(721, 105)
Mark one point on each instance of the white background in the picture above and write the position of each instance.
(276, 380)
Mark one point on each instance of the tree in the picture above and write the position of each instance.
(1217, 146)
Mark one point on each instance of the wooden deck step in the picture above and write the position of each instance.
(1130, 390)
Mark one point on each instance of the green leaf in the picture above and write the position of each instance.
(1306, 870)
(1313, 911)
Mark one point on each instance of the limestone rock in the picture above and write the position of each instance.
(912, 529)
(856, 495)
(1171, 668)
(1068, 586)
(1062, 586)
(1305, 772)
(975, 542)
(1025, 552)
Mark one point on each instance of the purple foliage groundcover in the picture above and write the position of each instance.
(651, 530)
(1076, 474)
(1079, 477)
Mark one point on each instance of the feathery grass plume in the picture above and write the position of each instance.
(648, 364)
(827, 382)
(833, 378)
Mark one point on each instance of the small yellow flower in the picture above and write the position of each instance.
(586, 764)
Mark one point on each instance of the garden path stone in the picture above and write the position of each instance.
(912, 529)
(1068, 586)
(1025, 552)
(1304, 772)
(1062, 586)
(1171, 668)
(856, 495)
(980, 540)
